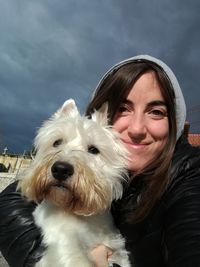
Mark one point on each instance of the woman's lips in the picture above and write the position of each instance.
(138, 146)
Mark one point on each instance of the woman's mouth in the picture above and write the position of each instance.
(136, 146)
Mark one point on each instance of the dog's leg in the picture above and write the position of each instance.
(120, 255)
(121, 258)
(79, 260)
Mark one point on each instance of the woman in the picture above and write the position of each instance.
(159, 213)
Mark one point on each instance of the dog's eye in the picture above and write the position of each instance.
(93, 150)
(57, 143)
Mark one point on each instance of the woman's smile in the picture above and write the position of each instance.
(134, 145)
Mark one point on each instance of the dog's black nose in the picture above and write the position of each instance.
(62, 170)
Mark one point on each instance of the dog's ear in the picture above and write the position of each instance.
(101, 115)
(69, 108)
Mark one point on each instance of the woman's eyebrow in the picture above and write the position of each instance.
(156, 103)
(151, 104)
(126, 101)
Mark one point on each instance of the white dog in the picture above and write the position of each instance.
(77, 172)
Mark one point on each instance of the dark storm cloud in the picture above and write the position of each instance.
(54, 50)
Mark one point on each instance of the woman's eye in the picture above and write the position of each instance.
(93, 150)
(57, 143)
(158, 113)
(123, 108)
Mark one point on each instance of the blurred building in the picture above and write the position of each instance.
(193, 139)
(13, 163)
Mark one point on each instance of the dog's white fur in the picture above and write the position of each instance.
(73, 213)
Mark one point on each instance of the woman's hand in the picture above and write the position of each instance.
(100, 255)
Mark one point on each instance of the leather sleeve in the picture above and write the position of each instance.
(182, 223)
(20, 239)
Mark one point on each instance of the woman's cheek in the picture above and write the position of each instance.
(159, 129)
(120, 124)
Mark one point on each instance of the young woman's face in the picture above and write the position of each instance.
(142, 122)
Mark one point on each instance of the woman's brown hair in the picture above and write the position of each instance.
(114, 90)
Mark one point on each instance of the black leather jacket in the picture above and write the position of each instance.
(20, 240)
(169, 236)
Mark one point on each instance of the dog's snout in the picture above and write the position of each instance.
(62, 170)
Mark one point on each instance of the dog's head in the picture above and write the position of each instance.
(80, 162)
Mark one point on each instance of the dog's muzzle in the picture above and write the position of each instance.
(61, 171)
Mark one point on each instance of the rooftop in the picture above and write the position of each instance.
(194, 139)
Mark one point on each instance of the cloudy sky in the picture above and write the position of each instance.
(51, 50)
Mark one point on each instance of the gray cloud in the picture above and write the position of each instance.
(54, 50)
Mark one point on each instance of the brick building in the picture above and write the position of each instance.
(193, 139)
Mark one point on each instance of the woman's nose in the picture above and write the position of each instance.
(137, 127)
